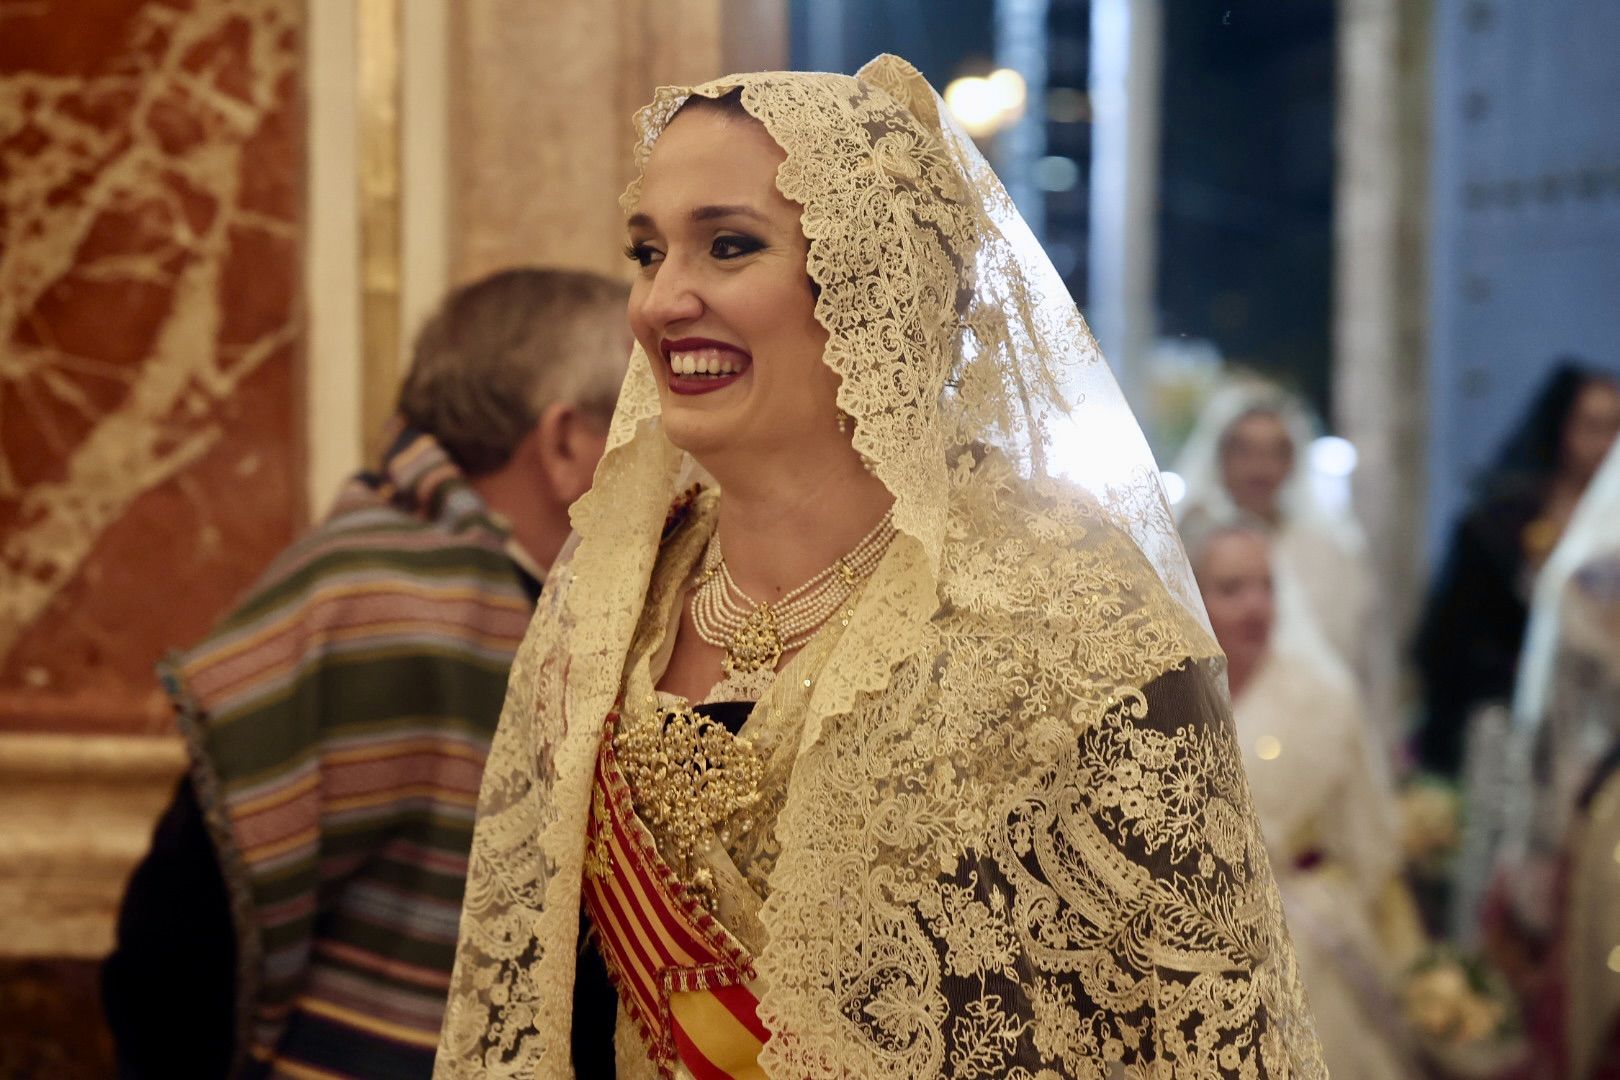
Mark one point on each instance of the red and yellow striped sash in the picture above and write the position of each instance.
(682, 976)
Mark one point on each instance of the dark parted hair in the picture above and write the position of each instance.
(497, 352)
(1530, 455)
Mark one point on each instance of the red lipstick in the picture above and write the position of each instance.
(700, 383)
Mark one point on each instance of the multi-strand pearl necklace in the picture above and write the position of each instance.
(754, 634)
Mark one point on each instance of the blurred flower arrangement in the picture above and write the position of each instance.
(1463, 1015)
(1181, 374)
(1431, 816)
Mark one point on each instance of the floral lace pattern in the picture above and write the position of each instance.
(1013, 838)
(1044, 829)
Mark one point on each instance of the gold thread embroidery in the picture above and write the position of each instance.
(689, 779)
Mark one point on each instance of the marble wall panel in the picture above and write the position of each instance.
(541, 100)
(151, 199)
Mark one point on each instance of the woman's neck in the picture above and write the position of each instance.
(780, 529)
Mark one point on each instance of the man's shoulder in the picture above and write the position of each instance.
(380, 541)
(376, 558)
(350, 591)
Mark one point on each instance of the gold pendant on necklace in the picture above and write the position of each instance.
(757, 644)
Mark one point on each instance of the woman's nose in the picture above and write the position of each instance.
(671, 297)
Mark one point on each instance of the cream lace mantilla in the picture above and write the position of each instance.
(1016, 839)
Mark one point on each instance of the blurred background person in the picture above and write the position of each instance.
(1553, 921)
(298, 908)
(1247, 454)
(1472, 630)
(1325, 800)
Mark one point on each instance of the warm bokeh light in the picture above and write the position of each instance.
(1010, 90)
(983, 105)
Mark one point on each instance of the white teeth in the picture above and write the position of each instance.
(704, 362)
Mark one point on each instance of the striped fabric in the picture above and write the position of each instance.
(339, 719)
(683, 978)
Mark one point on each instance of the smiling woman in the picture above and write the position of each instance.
(723, 286)
(725, 309)
(866, 747)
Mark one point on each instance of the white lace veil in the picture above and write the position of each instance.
(1593, 530)
(1566, 708)
(947, 322)
(1016, 614)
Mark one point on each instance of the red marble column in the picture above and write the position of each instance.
(151, 200)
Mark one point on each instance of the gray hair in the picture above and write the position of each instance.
(1200, 530)
(499, 351)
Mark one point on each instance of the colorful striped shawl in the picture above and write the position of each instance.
(338, 720)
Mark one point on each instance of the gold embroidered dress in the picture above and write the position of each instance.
(1001, 826)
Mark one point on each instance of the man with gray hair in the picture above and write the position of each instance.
(297, 914)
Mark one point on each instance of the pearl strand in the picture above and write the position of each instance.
(754, 634)
(802, 610)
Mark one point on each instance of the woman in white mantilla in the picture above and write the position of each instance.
(1247, 454)
(1326, 804)
(878, 753)
(1553, 918)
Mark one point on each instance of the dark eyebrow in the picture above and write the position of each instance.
(709, 213)
(702, 213)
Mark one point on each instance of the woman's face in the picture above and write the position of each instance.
(1593, 424)
(722, 303)
(1257, 454)
(1234, 576)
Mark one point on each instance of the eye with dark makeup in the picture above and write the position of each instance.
(734, 246)
(640, 253)
(729, 246)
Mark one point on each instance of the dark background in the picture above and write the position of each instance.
(1246, 158)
